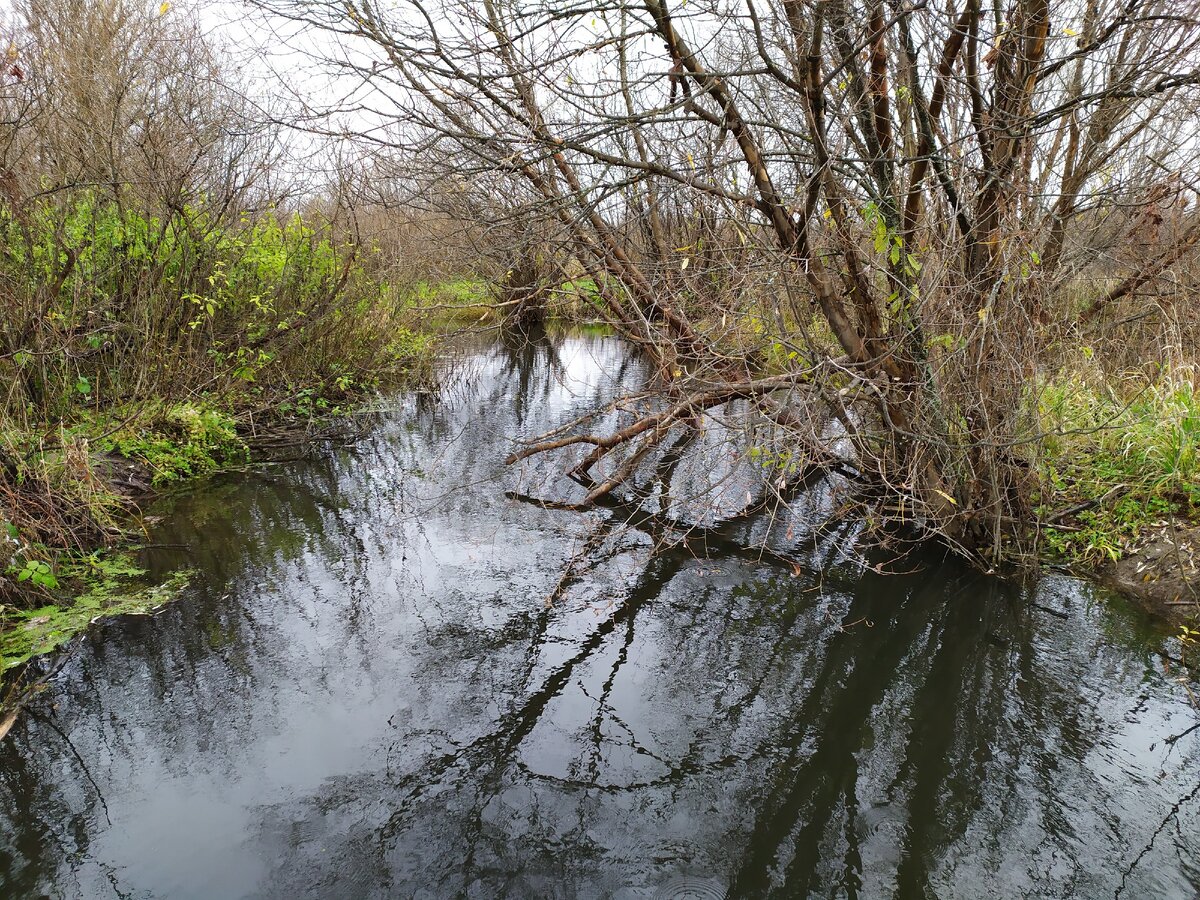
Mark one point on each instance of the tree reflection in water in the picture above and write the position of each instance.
(364, 695)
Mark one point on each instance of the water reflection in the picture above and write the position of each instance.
(366, 695)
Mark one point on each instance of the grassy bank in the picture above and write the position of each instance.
(1119, 485)
(139, 350)
(1117, 464)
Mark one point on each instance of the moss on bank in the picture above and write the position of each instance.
(463, 303)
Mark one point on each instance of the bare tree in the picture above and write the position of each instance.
(129, 98)
(895, 214)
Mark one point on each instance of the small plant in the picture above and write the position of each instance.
(184, 440)
(38, 573)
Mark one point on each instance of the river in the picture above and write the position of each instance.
(364, 693)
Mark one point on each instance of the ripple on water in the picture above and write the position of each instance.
(692, 887)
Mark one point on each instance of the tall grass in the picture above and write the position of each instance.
(1129, 449)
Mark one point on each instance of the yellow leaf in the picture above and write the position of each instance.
(946, 496)
(1070, 32)
(684, 264)
(828, 213)
(162, 10)
(982, 316)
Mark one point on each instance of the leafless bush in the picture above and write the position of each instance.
(129, 98)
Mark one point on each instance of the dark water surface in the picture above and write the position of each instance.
(364, 694)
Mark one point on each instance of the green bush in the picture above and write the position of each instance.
(105, 305)
(160, 337)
